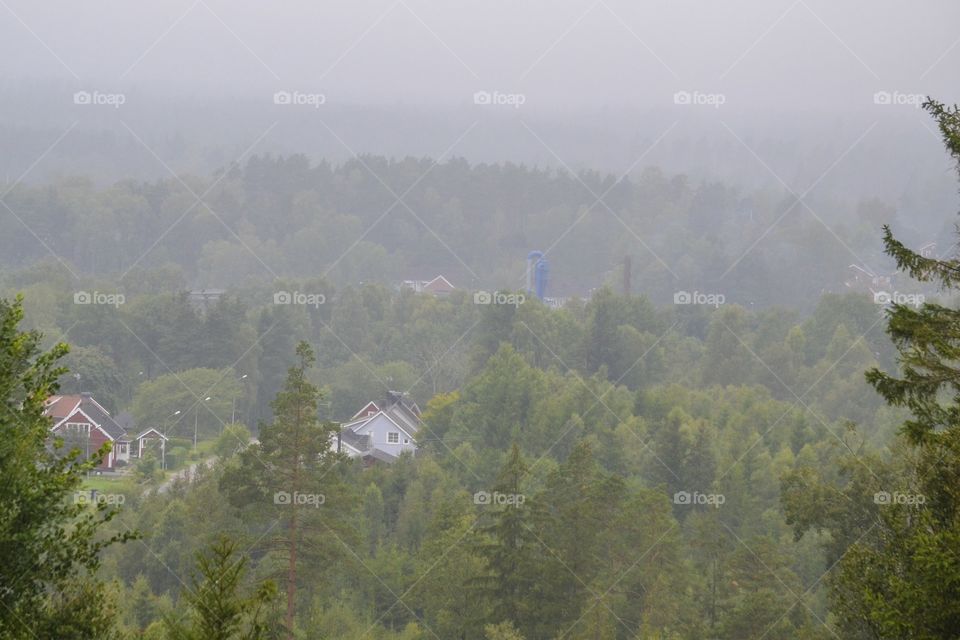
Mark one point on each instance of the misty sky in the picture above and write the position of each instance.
(786, 87)
(560, 54)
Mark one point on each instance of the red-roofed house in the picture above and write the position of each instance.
(84, 423)
(439, 286)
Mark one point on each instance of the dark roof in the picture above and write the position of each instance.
(403, 411)
(361, 443)
(382, 456)
(125, 420)
(401, 400)
(99, 415)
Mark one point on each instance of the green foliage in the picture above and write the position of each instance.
(94, 372)
(235, 438)
(293, 477)
(50, 543)
(215, 608)
(894, 525)
(156, 402)
(617, 403)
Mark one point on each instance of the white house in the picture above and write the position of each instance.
(381, 432)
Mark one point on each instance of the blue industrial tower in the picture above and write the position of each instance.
(538, 274)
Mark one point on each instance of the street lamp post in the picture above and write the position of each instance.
(196, 412)
(163, 441)
(233, 410)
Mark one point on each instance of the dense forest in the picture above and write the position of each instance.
(615, 468)
(378, 220)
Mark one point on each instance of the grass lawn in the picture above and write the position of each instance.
(105, 484)
(113, 484)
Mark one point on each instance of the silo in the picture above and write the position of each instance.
(538, 274)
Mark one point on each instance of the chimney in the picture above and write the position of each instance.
(393, 397)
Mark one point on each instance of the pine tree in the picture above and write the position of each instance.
(579, 502)
(294, 471)
(216, 610)
(510, 549)
(899, 576)
(928, 338)
(924, 589)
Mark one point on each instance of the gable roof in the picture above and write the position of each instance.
(361, 424)
(148, 430)
(439, 285)
(370, 409)
(80, 417)
(62, 408)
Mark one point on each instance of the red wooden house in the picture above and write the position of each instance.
(83, 423)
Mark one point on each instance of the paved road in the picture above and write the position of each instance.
(184, 474)
(189, 472)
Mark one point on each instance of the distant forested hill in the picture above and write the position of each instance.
(374, 219)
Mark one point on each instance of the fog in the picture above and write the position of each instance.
(583, 84)
(561, 55)
(486, 320)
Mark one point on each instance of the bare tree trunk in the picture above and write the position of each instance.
(292, 564)
(292, 573)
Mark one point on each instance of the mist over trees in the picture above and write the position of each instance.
(410, 320)
(271, 218)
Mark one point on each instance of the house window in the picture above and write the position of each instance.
(393, 437)
(406, 441)
(78, 427)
